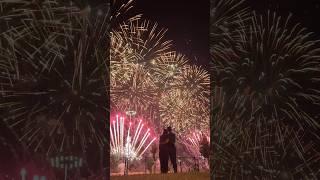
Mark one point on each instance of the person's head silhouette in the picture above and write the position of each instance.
(165, 131)
(169, 129)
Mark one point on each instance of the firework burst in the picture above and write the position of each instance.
(144, 38)
(260, 123)
(185, 104)
(129, 139)
(173, 107)
(120, 54)
(167, 67)
(53, 86)
(194, 80)
(134, 45)
(137, 93)
(182, 111)
(193, 139)
(226, 17)
(274, 69)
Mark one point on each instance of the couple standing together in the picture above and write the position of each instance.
(167, 150)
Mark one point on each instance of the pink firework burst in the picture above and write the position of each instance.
(130, 139)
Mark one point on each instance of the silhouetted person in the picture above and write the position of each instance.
(163, 151)
(172, 148)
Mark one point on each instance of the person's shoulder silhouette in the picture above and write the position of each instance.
(163, 136)
(171, 136)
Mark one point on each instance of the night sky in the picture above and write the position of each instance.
(305, 12)
(187, 23)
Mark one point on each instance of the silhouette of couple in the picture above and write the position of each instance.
(167, 150)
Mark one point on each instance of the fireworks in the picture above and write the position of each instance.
(184, 97)
(260, 123)
(53, 87)
(139, 87)
(196, 137)
(228, 141)
(145, 73)
(167, 67)
(137, 93)
(145, 39)
(134, 44)
(183, 112)
(129, 139)
(185, 104)
(193, 141)
(226, 18)
(272, 68)
(120, 54)
(195, 81)
(183, 92)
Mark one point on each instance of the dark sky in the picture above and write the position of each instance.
(187, 23)
(305, 12)
(188, 27)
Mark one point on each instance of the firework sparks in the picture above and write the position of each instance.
(272, 68)
(182, 111)
(144, 70)
(53, 85)
(185, 104)
(166, 67)
(134, 45)
(193, 141)
(195, 81)
(135, 42)
(226, 17)
(138, 93)
(120, 54)
(145, 38)
(268, 78)
(129, 139)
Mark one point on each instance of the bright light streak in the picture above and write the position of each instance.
(127, 146)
